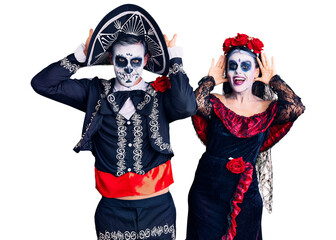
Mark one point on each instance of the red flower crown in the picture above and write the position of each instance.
(254, 44)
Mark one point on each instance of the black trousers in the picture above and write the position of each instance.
(152, 218)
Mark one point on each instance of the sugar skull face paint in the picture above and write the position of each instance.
(241, 71)
(128, 61)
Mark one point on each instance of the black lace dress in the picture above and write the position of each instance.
(224, 199)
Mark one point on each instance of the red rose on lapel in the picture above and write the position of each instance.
(256, 45)
(161, 84)
(236, 165)
(239, 40)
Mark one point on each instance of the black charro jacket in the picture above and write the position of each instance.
(89, 95)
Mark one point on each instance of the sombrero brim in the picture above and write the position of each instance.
(134, 21)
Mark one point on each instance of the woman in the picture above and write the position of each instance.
(224, 200)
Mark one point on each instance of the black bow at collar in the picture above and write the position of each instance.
(113, 102)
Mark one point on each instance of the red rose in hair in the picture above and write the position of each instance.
(226, 45)
(161, 84)
(256, 45)
(236, 165)
(240, 40)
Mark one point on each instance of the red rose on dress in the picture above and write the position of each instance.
(161, 84)
(256, 45)
(236, 165)
(226, 45)
(239, 40)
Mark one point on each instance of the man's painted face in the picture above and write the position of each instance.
(128, 62)
(241, 71)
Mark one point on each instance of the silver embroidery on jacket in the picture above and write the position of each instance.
(150, 92)
(111, 99)
(79, 144)
(70, 66)
(107, 87)
(121, 153)
(176, 68)
(155, 126)
(146, 100)
(137, 143)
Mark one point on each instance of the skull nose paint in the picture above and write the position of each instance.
(128, 70)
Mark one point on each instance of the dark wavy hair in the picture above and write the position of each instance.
(259, 88)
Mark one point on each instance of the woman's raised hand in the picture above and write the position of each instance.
(172, 42)
(217, 71)
(88, 41)
(267, 69)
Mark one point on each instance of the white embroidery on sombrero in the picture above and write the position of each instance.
(150, 32)
(106, 39)
(117, 24)
(134, 25)
(153, 47)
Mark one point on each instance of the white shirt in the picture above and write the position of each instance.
(128, 109)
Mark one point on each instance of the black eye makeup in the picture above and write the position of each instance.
(233, 65)
(246, 66)
(121, 61)
(136, 62)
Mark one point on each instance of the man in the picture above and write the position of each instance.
(127, 120)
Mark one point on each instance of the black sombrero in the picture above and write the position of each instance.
(131, 21)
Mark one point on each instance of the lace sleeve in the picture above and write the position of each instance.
(290, 105)
(202, 93)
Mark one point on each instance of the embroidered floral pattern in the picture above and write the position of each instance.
(176, 68)
(111, 99)
(154, 128)
(146, 100)
(156, 231)
(137, 143)
(121, 153)
(107, 87)
(69, 66)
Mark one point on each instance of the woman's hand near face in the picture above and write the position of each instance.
(87, 42)
(172, 42)
(217, 71)
(267, 69)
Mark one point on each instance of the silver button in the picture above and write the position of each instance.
(128, 122)
(129, 169)
(130, 144)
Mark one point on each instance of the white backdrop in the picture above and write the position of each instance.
(48, 191)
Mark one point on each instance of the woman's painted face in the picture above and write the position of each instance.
(241, 71)
(128, 62)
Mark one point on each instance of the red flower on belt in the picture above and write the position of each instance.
(236, 165)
